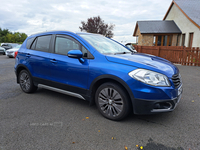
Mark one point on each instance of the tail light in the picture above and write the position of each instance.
(16, 54)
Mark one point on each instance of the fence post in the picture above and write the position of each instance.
(184, 57)
(197, 59)
(140, 49)
(158, 53)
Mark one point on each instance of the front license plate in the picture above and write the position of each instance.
(180, 89)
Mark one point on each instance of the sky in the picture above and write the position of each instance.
(45, 15)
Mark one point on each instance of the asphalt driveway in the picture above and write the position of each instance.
(48, 120)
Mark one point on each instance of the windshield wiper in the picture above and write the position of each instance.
(122, 53)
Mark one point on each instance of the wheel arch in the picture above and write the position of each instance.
(19, 69)
(109, 78)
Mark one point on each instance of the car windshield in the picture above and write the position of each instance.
(18, 46)
(14, 45)
(104, 45)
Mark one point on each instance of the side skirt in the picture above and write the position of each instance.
(62, 88)
(61, 91)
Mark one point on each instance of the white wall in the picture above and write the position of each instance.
(185, 25)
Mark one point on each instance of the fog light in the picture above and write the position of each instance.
(163, 106)
(157, 106)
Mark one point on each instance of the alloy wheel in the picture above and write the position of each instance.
(110, 102)
(25, 81)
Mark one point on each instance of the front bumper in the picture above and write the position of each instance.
(2, 52)
(10, 54)
(155, 106)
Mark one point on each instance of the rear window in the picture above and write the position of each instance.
(42, 43)
(29, 42)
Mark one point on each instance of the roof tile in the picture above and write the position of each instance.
(166, 26)
(191, 8)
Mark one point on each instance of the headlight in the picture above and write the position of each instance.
(150, 77)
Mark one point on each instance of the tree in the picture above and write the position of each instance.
(8, 37)
(97, 25)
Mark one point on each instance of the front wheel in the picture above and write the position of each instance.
(112, 101)
(26, 82)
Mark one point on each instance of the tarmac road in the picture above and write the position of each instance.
(48, 120)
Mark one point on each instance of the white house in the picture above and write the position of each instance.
(186, 14)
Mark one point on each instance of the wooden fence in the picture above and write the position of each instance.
(176, 54)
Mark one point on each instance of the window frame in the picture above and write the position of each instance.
(183, 39)
(166, 39)
(36, 40)
(191, 37)
(66, 37)
(89, 55)
(29, 46)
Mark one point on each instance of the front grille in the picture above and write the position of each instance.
(177, 80)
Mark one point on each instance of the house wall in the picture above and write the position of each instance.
(147, 40)
(174, 39)
(144, 39)
(185, 25)
(139, 36)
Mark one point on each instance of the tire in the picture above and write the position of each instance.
(26, 82)
(112, 101)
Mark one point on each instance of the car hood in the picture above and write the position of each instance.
(145, 61)
(1, 48)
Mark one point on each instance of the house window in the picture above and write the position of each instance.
(190, 39)
(159, 42)
(163, 40)
(154, 40)
(183, 40)
(170, 40)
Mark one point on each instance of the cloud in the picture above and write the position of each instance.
(45, 15)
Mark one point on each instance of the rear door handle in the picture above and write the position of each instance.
(28, 55)
(53, 61)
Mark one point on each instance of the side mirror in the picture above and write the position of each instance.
(75, 54)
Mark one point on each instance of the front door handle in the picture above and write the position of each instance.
(53, 61)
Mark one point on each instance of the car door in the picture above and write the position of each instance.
(37, 57)
(69, 73)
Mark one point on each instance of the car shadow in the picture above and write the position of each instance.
(163, 119)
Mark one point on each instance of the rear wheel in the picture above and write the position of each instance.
(26, 82)
(112, 101)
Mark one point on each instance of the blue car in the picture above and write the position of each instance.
(99, 70)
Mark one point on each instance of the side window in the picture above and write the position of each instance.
(63, 45)
(42, 43)
(10, 46)
(84, 51)
(33, 45)
(29, 42)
